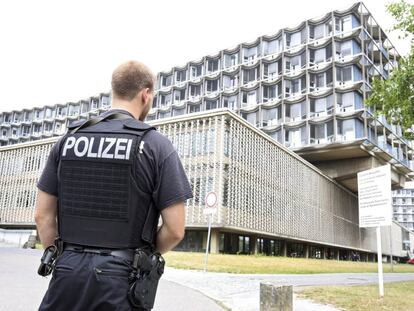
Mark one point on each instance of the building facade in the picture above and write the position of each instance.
(270, 200)
(403, 204)
(19, 126)
(303, 86)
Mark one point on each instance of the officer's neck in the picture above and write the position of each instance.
(133, 108)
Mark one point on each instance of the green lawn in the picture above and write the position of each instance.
(397, 296)
(267, 264)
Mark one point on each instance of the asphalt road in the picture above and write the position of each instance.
(21, 288)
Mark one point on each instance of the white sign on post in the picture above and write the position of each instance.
(375, 209)
(209, 209)
(374, 196)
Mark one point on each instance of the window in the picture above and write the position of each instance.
(26, 130)
(231, 59)
(211, 104)
(179, 95)
(164, 114)
(250, 54)
(230, 82)
(166, 80)
(346, 129)
(61, 111)
(212, 86)
(36, 129)
(345, 48)
(271, 116)
(349, 101)
(250, 75)
(212, 65)
(84, 107)
(17, 117)
(249, 98)
(277, 136)
(294, 87)
(296, 112)
(270, 92)
(196, 71)
(346, 23)
(271, 47)
(48, 127)
(94, 103)
(320, 55)
(293, 39)
(322, 106)
(178, 112)
(344, 74)
(73, 110)
(193, 108)
(317, 32)
(150, 117)
(195, 90)
(321, 133)
(295, 63)
(105, 101)
(295, 137)
(251, 117)
(28, 116)
(270, 70)
(230, 102)
(165, 100)
(180, 75)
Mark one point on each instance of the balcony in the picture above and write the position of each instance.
(346, 109)
(345, 137)
(271, 122)
(323, 113)
(36, 134)
(322, 140)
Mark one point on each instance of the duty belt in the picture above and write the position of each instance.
(127, 254)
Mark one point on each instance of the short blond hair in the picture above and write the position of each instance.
(130, 78)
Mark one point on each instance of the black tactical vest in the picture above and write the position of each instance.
(99, 202)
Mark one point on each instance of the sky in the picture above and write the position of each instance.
(55, 52)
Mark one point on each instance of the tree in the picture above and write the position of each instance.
(394, 97)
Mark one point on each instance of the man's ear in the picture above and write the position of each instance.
(145, 94)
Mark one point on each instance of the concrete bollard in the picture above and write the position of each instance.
(274, 297)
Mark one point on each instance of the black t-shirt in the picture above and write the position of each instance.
(159, 173)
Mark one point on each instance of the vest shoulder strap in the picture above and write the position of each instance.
(136, 125)
(76, 126)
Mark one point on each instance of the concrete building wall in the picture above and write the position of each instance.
(263, 188)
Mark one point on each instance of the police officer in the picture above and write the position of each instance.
(104, 187)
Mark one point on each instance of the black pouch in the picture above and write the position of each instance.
(142, 292)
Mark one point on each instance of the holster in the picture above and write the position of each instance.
(148, 269)
(48, 260)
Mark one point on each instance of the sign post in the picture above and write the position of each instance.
(210, 209)
(375, 210)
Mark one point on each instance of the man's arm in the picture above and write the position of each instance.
(172, 229)
(45, 217)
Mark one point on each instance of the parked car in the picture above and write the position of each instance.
(411, 261)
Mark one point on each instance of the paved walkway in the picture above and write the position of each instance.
(22, 289)
(242, 291)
